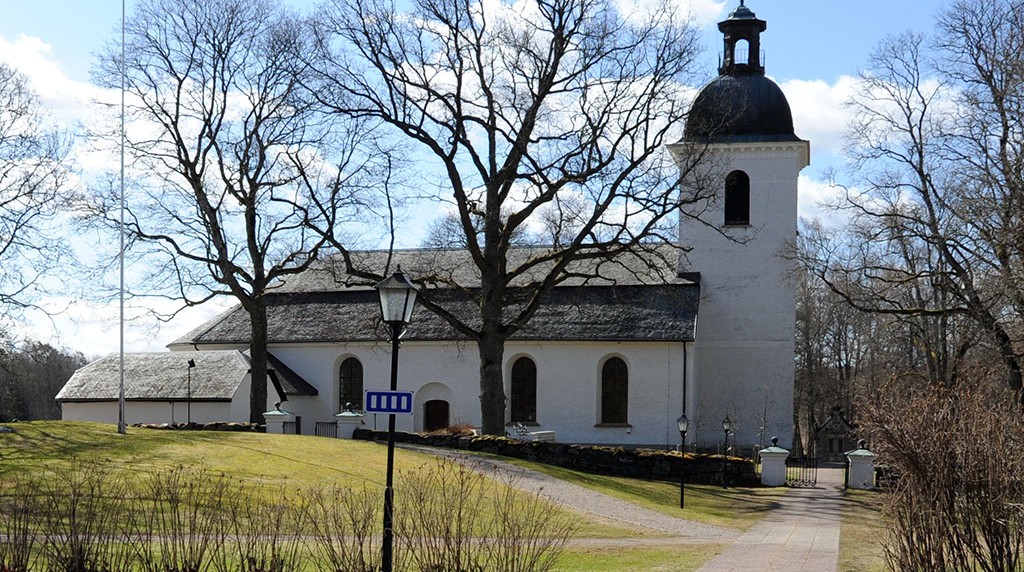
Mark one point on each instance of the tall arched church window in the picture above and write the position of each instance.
(614, 391)
(350, 378)
(737, 198)
(524, 391)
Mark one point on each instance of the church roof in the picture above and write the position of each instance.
(631, 297)
(663, 312)
(165, 376)
(445, 266)
(740, 109)
(159, 375)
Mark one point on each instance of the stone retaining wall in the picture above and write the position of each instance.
(215, 426)
(613, 461)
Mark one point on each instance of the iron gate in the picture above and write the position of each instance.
(326, 429)
(801, 472)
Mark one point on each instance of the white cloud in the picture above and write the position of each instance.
(819, 111)
(94, 325)
(703, 11)
(67, 99)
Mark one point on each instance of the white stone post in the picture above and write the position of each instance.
(861, 472)
(773, 464)
(276, 419)
(348, 422)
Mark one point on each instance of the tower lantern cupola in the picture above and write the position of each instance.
(741, 104)
(742, 32)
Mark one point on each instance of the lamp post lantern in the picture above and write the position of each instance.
(188, 396)
(727, 428)
(682, 423)
(397, 299)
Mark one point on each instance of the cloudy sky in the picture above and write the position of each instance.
(813, 50)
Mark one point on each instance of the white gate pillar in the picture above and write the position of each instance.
(773, 464)
(861, 471)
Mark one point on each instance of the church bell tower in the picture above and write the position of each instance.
(741, 222)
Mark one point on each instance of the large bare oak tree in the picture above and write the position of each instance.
(229, 153)
(545, 117)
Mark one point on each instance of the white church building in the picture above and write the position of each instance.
(614, 361)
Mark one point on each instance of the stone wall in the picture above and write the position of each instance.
(613, 461)
(215, 426)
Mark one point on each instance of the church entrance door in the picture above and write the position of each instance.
(435, 415)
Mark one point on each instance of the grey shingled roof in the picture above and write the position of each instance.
(664, 312)
(657, 266)
(160, 375)
(631, 297)
(164, 376)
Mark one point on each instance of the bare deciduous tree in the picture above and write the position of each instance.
(32, 172)
(549, 115)
(236, 162)
(936, 233)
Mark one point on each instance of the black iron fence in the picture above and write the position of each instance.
(326, 429)
(801, 472)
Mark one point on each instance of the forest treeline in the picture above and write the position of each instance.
(30, 376)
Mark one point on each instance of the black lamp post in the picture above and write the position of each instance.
(683, 424)
(188, 398)
(727, 428)
(397, 299)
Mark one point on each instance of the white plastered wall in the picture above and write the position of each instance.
(743, 356)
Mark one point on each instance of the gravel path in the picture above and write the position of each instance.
(800, 535)
(596, 504)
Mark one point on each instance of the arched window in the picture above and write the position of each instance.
(524, 391)
(614, 391)
(737, 198)
(350, 378)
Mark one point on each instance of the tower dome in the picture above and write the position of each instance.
(741, 104)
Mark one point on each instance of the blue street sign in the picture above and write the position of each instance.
(388, 402)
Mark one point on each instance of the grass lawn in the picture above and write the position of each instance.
(275, 461)
(860, 542)
(734, 507)
(646, 559)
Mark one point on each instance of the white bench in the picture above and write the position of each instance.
(543, 436)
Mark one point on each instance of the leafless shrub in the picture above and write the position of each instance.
(342, 523)
(81, 520)
(453, 518)
(449, 518)
(526, 535)
(265, 533)
(18, 499)
(956, 451)
(438, 516)
(181, 520)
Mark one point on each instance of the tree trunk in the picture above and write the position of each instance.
(258, 362)
(492, 388)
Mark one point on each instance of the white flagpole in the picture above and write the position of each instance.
(121, 425)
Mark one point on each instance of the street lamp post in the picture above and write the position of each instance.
(682, 423)
(397, 299)
(727, 428)
(188, 397)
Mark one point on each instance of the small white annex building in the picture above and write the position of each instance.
(614, 361)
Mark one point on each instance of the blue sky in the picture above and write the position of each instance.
(820, 39)
(813, 49)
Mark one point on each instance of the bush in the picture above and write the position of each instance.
(956, 502)
(449, 518)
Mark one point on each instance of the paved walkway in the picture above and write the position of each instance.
(802, 535)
